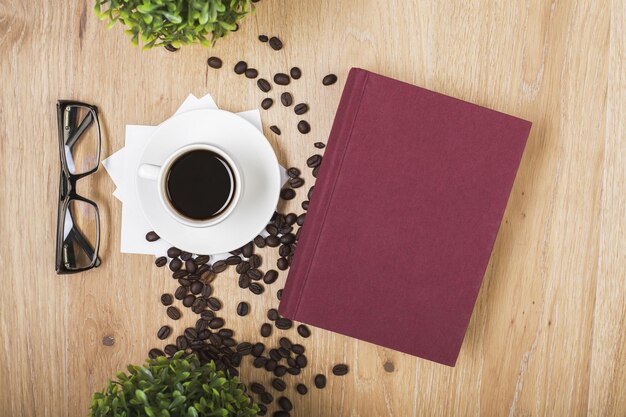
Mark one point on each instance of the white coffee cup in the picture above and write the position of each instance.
(160, 175)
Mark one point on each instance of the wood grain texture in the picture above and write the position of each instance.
(548, 334)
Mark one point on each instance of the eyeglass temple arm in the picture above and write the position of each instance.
(71, 141)
(75, 235)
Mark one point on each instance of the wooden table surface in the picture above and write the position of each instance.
(548, 334)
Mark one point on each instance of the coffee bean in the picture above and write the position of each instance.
(259, 362)
(164, 332)
(240, 67)
(251, 73)
(293, 370)
(275, 355)
(301, 108)
(160, 261)
(283, 323)
(201, 324)
(296, 182)
(256, 288)
(175, 264)
(190, 265)
(190, 333)
(207, 276)
(282, 264)
(235, 252)
(340, 369)
(293, 172)
(257, 388)
(202, 259)
(204, 334)
(206, 291)
(305, 205)
(267, 103)
(173, 252)
(272, 241)
(275, 129)
(285, 404)
(214, 304)
(287, 194)
(264, 85)
(233, 260)
(185, 255)
(173, 313)
(259, 241)
(279, 384)
(303, 330)
(215, 339)
(236, 359)
(284, 352)
(188, 300)
(312, 162)
(254, 274)
(216, 323)
(219, 266)
(244, 281)
(295, 73)
(304, 127)
(316, 171)
(244, 348)
(280, 370)
(257, 349)
(180, 275)
(272, 314)
(198, 305)
(287, 239)
(284, 250)
(214, 62)
(170, 350)
(301, 361)
(196, 287)
(330, 79)
(276, 43)
(297, 349)
(285, 229)
(266, 397)
(310, 192)
(207, 315)
(281, 78)
(266, 330)
(243, 267)
(270, 365)
(155, 353)
(152, 237)
(320, 381)
(302, 389)
(263, 38)
(262, 408)
(279, 294)
(167, 299)
(319, 145)
(243, 308)
(270, 276)
(286, 98)
(271, 229)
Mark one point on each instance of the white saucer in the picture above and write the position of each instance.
(259, 171)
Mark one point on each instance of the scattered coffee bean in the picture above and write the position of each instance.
(305, 205)
(259, 241)
(340, 369)
(257, 349)
(300, 220)
(271, 229)
(181, 274)
(251, 73)
(188, 300)
(275, 355)
(287, 194)
(255, 261)
(208, 276)
(293, 172)
(244, 281)
(243, 267)
(286, 98)
(267, 103)
(330, 79)
(284, 352)
(288, 239)
(275, 129)
(283, 323)
(293, 370)
(302, 389)
(244, 348)
(180, 292)
(263, 38)
(281, 78)
(233, 260)
(270, 276)
(216, 323)
(201, 324)
(160, 261)
(282, 264)
(202, 259)
(312, 162)
(185, 255)
(175, 264)
(215, 339)
(266, 329)
(320, 381)
(295, 73)
(279, 384)
(196, 287)
(167, 299)
(276, 43)
(207, 315)
(243, 308)
(214, 304)
(272, 314)
(226, 333)
(266, 397)
(256, 288)
(198, 305)
(219, 266)
(164, 332)
(298, 349)
(319, 145)
(271, 365)
(301, 361)
(279, 294)
(284, 250)
(170, 350)
(285, 404)
(191, 333)
(262, 407)
(304, 127)
(257, 388)
(285, 343)
(316, 171)
(240, 67)
(254, 274)
(301, 108)
(152, 237)
(296, 182)
(214, 62)
(280, 371)
(304, 330)
(206, 291)
(173, 252)
(190, 265)
(173, 313)
(272, 241)
(264, 85)
(155, 353)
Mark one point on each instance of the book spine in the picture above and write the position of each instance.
(329, 172)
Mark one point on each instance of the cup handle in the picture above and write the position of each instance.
(149, 172)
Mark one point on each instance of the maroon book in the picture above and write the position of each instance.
(403, 217)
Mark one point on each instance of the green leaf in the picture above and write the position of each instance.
(192, 412)
(141, 396)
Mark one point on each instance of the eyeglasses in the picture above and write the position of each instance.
(78, 221)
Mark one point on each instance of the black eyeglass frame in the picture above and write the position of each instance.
(67, 188)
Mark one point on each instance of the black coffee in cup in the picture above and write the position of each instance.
(200, 184)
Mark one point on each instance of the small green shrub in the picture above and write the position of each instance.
(176, 387)
(174, 23)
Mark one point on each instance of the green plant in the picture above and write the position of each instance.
(176, 387)
(173, 23)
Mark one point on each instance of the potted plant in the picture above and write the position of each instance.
(176, 387)
(173, 23)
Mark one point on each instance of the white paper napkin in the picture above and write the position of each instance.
(122, 166)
